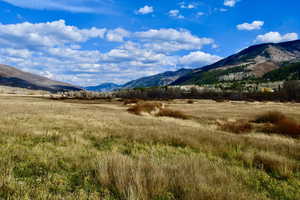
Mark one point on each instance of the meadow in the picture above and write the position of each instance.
(98, 149)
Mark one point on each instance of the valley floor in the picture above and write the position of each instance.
(53, 149)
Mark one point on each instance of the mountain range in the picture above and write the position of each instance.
(263, 61)
(105, 87)
(270, 61)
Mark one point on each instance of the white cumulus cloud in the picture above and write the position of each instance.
(173, 40)
(146, 10)
(57, 50)
(255, 25)
(276, 37)
(187, 6)
(230, 3)
(45, 34)
(117, 35)
(198, 59)
(176, 14)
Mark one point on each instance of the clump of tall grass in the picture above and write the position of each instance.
(130, 101)
(287, 127)
(270, 117)
(277, 122)
(156, 109)
(146, 108)
(274, 164)
(240, 126)
(190, 101)
(183, 178)
(172, 113)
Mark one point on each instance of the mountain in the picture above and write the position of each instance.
(162, 79)
(253, 62)
(10, 76)
(105, 87)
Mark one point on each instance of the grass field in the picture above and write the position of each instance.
(76, 149)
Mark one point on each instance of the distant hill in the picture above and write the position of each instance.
(253, 62)
(105, 87)
(10, 76)
(162, 79)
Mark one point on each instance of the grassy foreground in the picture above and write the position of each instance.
(80, 150)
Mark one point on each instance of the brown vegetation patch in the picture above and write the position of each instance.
(287, 127)
(156, 109)
(190, 101)
(130, 101)
(220, 100)
(270, 117)
(240, 126)
(277, 122)
(149, 107)
(172, 113)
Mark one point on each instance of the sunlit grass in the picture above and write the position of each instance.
(72, 150)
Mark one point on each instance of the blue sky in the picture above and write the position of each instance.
(88, 42)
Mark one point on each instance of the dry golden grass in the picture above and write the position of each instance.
(273, 163)
(75, 150)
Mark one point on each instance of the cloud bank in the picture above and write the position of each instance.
(55, 49)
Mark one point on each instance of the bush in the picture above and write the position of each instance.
(288, 127)
(190, 101)
(270, 117)
(277, 122)
(150, 108)
(172, 113)
(130, 101)
(156, 109)
(237, 127)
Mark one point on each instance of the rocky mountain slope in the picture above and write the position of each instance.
(253, 62)
(10, 76)
(162, 79)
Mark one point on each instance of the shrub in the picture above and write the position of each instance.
(220, 100)
(156, 109)
(190, 101)
(287, 127)
(130, 101)
(172, 113)
(270, 117)
(277, 122)
(150, 108)
(237, 127)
